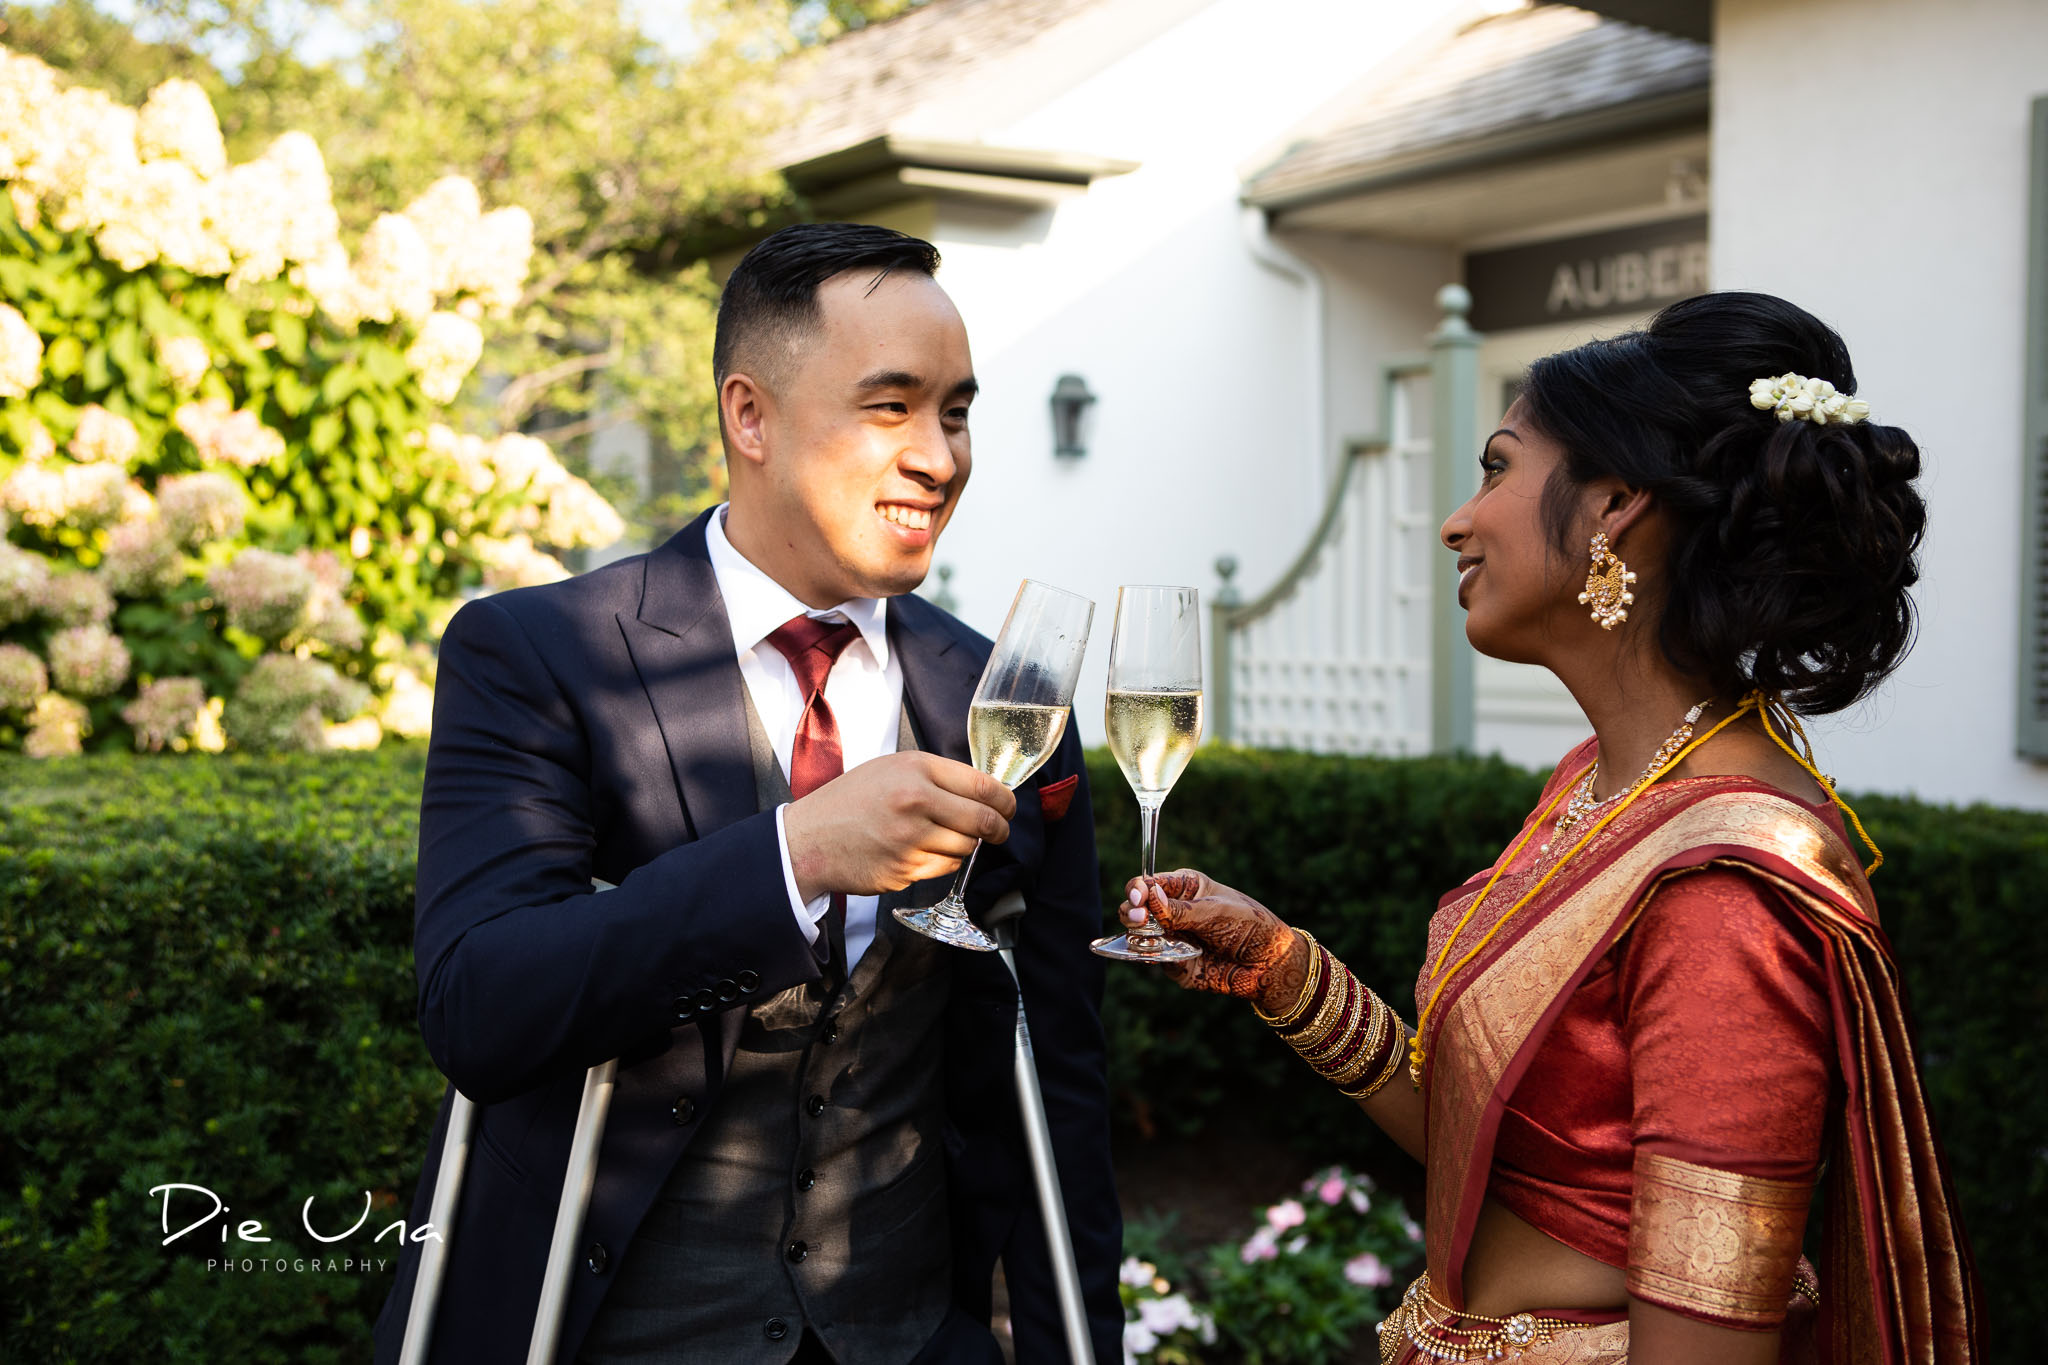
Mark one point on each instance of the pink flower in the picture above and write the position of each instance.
(1288, 1213)
(1262, 1245)
(1332, 1189)
(1368, 1270)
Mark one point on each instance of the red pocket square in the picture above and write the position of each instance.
(1055, 797)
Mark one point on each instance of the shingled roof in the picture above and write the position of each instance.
(864, 84)
(1528, 74)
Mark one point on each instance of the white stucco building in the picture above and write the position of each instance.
(1229, 218)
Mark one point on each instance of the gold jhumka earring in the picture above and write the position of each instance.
(1607, 585)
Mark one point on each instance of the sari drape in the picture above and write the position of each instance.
(1897, 1282)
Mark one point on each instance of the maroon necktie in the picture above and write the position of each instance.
(812, 646)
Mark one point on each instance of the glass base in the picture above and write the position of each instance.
(1139, 948)
(947, 924)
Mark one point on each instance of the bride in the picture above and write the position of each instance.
(1667, 1010)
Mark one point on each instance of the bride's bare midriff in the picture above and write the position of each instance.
(1513, 1268)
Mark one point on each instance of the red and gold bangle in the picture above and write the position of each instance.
(1341, 1029)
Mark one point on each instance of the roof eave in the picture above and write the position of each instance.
(1613, 123)
(892, 153)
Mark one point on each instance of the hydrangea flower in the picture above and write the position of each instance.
(142, 559)
(186, 360)
(578, 514)
(328, 616)
(262, 592)
(49, 494)
(394, 272)
(21, 353)
(22, 573)
(284, 703)
(76, 599)
(88, 660)
(104, 435)
(157, 211)
(408, 705)
(177, 123)
(56, 727)
(22, 678)
(197, 509)
(166, 712)
(236, 436)
(445, 351)
(514, 563)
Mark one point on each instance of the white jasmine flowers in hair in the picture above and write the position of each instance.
(1816, 400)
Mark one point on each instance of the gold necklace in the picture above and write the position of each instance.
(1582, 803)
(1668, 754)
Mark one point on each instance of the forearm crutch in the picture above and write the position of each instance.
(575, 1201)
(1045, 1174)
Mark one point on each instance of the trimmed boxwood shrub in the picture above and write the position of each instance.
(205, 976)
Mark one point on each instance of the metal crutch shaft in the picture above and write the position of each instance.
(426, 1290)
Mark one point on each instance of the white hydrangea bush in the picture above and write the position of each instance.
(223, 443)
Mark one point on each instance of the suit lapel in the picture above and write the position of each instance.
(681, 645)
(939, 676)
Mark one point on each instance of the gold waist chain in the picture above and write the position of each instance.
(1421, 1321)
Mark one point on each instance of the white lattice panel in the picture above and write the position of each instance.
(1342, 665)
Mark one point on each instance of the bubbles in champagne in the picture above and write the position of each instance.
(1009, 740)
(1153, 735)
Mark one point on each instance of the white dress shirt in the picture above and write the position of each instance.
(864, 690)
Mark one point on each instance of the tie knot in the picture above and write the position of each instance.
(812, 647)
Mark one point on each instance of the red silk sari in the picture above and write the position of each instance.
(1896, 1280)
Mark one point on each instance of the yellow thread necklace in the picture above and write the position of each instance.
(1755, 701)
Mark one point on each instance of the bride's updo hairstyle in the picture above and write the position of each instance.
(1792, 543)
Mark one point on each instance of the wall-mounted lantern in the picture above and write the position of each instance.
(1070, 426)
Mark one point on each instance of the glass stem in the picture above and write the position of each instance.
(955, 902)
(1148, 852)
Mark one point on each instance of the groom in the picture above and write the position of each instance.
(814, 1152)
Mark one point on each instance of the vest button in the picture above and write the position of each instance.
(728, 990)
(705, 1001)
(831, 1033)
(815, 1105)
(685, 1110)
(798, 1250)
(595, 1258)
(776, 1329)
(806, 1178)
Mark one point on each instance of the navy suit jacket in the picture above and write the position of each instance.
(596, 728)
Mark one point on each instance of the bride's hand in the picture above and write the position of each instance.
(1246, 950)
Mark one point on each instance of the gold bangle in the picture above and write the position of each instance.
(1336, 997)
(1366, 1053)
(1387, 1072)
(1319, 1045)
(1308, 987)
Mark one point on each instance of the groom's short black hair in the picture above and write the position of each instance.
(771, 301)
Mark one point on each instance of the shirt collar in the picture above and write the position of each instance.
(756, 605)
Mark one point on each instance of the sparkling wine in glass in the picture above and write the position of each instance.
(1016, 720)
(1154, 718)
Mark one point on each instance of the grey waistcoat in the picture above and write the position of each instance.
(814, 1194)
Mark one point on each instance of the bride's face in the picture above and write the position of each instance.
(1518, 591)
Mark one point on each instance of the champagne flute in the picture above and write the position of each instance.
(1015, 722)
(1154, 718)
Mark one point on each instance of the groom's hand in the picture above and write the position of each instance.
(894, 820)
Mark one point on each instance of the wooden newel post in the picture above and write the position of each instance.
(1454, 460)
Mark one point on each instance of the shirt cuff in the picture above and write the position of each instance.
(808, 913)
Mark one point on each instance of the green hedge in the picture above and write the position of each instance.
(206, 977)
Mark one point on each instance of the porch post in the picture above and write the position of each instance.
(1454, 458)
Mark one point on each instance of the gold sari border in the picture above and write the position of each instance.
(1714, 1244)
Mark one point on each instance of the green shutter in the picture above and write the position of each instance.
(2033, 687)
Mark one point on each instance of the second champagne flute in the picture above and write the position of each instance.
(1015, 722)
(1154, 718)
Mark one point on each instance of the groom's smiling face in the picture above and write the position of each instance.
(855, 449)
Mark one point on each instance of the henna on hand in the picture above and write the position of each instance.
(1247, 950)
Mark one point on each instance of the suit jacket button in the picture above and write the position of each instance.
(685, 1110)
(748, 982)
(806, 1178)
(815, 1105)
(595, 1258)
(728, 991)
(776, 1329)
(798, 1250)
(705, 1001)
(685, 1008)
